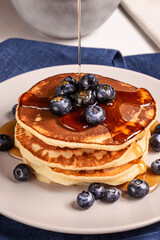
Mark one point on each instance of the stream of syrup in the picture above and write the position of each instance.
(79, 38)
(152, 179)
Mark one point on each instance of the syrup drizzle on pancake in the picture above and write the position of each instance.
(117, 117)
(114, 120)
(142, 113)
(29, 99)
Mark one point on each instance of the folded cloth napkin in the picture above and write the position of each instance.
(18, 56)
(146, 13)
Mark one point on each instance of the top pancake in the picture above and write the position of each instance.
(138, 116)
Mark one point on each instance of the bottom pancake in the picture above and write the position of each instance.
(112, 176)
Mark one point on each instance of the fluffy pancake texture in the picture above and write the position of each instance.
(60, 155)
(75, 159)
(111, 176)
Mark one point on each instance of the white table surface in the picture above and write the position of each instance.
(118, 32)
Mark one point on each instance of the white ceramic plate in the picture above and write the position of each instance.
(53, 207)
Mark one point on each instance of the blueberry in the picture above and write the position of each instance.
(85, 199)
(6, 142)
(22, 172)
(155, 142)
(97, 189)
(111, 194)
(155, 166)
(60, 106)
(157, 129)
(138, 188)
(14, 108)
(88, 81)
(84, 98)
(105, 93)
(94, 115)
(67, 87)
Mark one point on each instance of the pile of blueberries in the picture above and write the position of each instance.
(87, 92)
(85, 199)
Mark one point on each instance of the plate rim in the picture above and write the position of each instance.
(68, 230)
(82, 65)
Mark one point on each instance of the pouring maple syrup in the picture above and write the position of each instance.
(79, 38)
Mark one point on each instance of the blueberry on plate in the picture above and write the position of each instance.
(84, 98)
(105, 93)
(138, 188)
(85, 199)
(155, 166)
(97, 189)
(67, 87)
(14, 108)
(22, 172)
(111, 194)
(60, 106)
(94, 115)
(6, 142)
(88, 81)
(157, 129)
(155, 142)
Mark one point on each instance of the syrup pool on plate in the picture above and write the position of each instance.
(152, 179)
(8, 129)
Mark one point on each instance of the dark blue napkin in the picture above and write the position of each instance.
(18, 56)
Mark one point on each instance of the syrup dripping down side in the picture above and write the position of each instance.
(8, 129)
(152, 179)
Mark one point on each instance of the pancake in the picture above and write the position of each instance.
(41, 153)
(112, 176)
(113, 152)
(136, 111)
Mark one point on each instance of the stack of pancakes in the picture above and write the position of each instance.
(61, 155)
